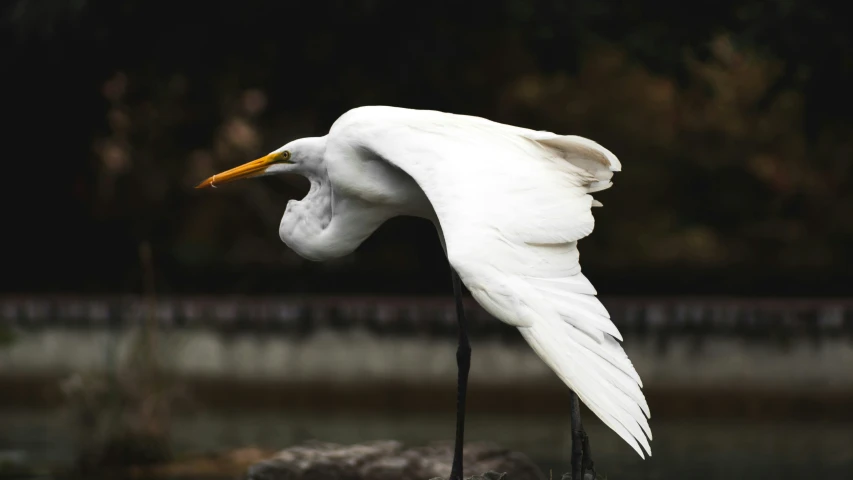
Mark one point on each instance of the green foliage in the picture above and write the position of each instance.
(7, 336)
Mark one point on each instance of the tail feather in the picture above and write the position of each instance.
(571, 331)
(595, 381)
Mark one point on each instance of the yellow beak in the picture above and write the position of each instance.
(247, 170)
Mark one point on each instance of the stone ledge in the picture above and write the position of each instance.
(390, 460)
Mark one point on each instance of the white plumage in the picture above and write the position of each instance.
(510, 205)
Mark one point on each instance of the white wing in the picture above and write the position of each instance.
(512, 204)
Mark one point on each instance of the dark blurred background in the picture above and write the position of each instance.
(731, 118)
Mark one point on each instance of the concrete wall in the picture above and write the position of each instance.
(357, 355)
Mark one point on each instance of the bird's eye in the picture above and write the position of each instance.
(285, 156)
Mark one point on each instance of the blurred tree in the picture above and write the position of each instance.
(731, 118)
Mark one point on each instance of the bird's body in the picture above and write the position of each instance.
(509, 204)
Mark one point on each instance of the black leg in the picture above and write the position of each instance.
(588, 465)
(581, 453)
(463, 363)
(577, 439)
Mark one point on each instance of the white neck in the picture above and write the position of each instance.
(324, 225)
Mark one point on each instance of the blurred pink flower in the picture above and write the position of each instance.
(254, 101)
(114, 157)
(239, 133)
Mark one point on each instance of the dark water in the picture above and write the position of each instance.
(701, 450)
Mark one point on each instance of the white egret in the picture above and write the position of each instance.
(509, 204)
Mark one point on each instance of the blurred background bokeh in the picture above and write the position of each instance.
(143, 320)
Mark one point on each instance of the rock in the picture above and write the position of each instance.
(389, 460)
(485, 476)
(231, 463)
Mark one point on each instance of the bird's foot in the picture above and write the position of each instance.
(588, 475)
(588, 464)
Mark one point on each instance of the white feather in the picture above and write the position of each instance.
(511, 204)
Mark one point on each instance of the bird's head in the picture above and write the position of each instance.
(304, 221)
(299, 156)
